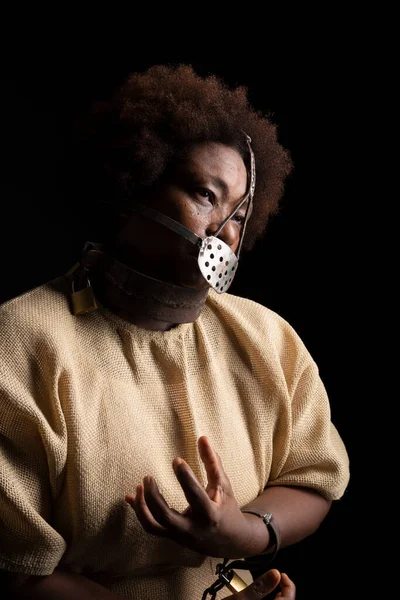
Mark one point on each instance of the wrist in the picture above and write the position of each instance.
(258, 538)
(267, 528)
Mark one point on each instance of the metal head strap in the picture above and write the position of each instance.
(217, 262)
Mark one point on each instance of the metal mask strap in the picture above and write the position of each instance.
(249, 196)
(150, 213)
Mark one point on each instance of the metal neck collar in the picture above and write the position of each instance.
(122, 288)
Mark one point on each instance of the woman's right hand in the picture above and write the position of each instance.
(265, 584)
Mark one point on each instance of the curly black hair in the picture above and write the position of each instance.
(127, 142)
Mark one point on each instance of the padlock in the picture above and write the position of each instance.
(236, 583)
(83, 301)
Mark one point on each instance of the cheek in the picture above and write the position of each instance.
(175, 204)
(193, 217)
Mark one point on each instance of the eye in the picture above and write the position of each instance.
(239, 219)
(204, 193)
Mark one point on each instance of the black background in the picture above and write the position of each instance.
(309, 266)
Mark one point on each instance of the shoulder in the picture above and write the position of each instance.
(47, 302)
(259, 323)
(36, 314)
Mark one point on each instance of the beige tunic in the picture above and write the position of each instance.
(89, 405)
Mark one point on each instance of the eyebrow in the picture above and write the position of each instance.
(219, 183)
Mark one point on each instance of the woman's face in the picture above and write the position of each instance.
(199, 192)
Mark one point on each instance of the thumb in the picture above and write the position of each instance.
(261, 587)
(288, 588)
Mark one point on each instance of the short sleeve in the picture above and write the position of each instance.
(317, 457)
(31, 455)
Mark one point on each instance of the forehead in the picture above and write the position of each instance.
(214, 161)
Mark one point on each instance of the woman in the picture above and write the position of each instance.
(154, 425)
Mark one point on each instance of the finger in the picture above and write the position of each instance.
(195, 494)
(145, 518)
(261, 587)
(288, 588)
(216, 475)
(162, 513)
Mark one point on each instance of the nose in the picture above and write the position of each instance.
(228, 234)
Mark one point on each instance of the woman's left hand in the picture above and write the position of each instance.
(212, 524)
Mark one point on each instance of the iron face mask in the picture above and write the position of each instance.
(217, 262)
